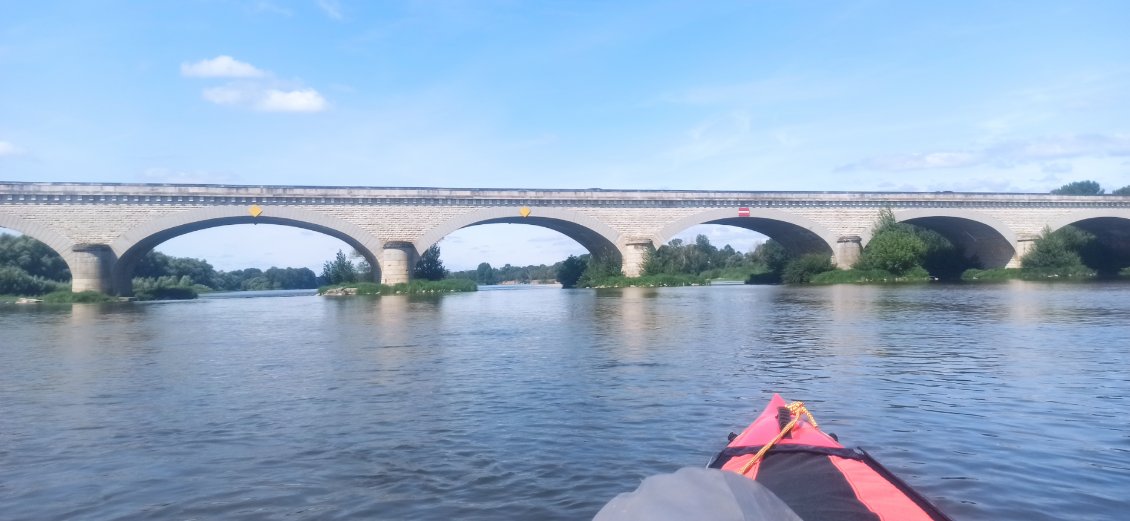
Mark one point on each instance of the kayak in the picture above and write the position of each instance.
(818, 478)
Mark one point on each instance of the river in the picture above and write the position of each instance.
(1004, 401)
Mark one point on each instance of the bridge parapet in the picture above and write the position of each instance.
(392, 225)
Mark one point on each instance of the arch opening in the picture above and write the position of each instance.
(982, 244)
(1110, 251)
(133, 246)
(502, 253)
(711, 251)
(30, 266)
(595, 237)
(799, 235)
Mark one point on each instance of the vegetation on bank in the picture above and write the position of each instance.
(415, 287)
(487, 275)
(1068, 253)
(897, 253)
(429, 277)
(29, 268)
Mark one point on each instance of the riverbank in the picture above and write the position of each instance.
(415, 287)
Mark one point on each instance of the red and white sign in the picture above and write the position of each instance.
(743, 212)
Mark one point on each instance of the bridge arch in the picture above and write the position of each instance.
(595, 236)
(54, 240)
(132, 245)
(984, 237)
(1111, 226)
(1103, 215)
(796, 233)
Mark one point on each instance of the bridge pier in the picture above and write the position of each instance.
(848, 250)
(91, 268)
(1024, 244)
(397, 261)
(633, 256)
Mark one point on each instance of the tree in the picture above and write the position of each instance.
(801, 270)
(33, 257)
(429, 267)
(1079, 188)
(1125, 190)
(15, 281)
(772, 255)
(1055, 250)
(896, 250)
(598, 268)
(570, 271)
(340, 270)
(484, 274)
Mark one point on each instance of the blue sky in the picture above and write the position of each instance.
(1017, 96)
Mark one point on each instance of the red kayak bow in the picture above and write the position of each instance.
(785, 450)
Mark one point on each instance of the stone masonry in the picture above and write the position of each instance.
(101, 230)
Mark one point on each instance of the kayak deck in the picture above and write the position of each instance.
(785, 450)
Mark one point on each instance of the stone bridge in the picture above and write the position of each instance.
(103, 229)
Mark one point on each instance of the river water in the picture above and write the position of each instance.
(1002, 401)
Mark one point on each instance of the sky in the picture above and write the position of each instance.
(976, 96)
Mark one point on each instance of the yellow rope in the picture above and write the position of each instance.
(796, 409)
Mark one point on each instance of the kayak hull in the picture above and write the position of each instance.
(818, 477)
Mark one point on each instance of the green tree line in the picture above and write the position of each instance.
(342, 269)
(1088, 188)
(198, 272)
(487, 274)
(28, 267)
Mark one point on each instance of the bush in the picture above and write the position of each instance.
(1056, 250)
(765, 277)
(430, 286)
(856, 276)
(15, 281)
(166, 293)
(896, 250)
(414, 287)
(801, 270)
(571, 270)
(650, 281)
(82, 297)
(599, 272)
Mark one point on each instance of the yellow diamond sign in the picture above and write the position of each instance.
(255, 210)
(525, 211)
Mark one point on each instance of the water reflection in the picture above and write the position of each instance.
(548, 402)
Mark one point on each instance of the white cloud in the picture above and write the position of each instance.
(7, 149)
(220, 67)
(1050, 150)
(331, 7)
(253, 88)
(301, 100)
(228, 95)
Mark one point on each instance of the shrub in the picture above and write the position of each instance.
(896, 250)
(571, 270)
(166, 293)
(801, 270)
(414, 287)
(15, 281)
(1056, 250)
(650, 281)
(598, 271)
(82, 297)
